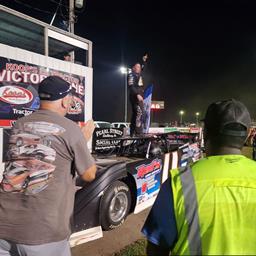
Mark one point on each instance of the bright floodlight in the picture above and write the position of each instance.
(123, 70)
(197, 113)
(181, 112)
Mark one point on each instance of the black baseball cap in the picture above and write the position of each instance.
(53, 88)
(221, 114)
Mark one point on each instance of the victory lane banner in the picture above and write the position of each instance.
(19, 85)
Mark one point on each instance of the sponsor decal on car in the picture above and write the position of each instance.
(106, 138)
(143, 169)
(148, 177)
(144, 187)
(15, 95)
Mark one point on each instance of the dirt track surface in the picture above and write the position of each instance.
(113, 241)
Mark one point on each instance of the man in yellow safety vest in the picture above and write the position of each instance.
(209, 207)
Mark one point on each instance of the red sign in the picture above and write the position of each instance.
(143, 169)
(15, 95)
(157, 104)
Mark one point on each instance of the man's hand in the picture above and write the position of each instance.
(145, 57)
(139, 97)
(88, 129)
(89, 174)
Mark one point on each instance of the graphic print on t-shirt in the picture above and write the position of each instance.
(30, 156)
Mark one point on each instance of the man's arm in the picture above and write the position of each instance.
(139, 97)
(144, 59)
(83, 162)
(89, 174)
(87, 130)
(132, 84)
(160, 226)
(133, 89)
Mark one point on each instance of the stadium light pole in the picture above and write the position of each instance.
(181, 115)
(197, 118)
(125, 71)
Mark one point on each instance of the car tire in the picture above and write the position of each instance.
(115, 205)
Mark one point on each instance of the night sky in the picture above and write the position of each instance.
(200, 51)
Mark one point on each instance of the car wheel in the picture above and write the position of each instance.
(19, 142)
(115, 205)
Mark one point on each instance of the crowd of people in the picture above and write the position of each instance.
(204, 208)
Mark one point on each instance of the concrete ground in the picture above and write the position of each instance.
(114, 240)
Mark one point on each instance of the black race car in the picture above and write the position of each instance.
(130, 173)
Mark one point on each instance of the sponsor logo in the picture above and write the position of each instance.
(22, 111)
(15, 95)
(144, 188)
(143, 169)
(76, 106)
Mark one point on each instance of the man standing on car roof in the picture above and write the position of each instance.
(136, 88)
(37, 195)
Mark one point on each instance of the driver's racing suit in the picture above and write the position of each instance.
(136, 87)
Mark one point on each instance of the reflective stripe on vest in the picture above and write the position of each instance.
(191, 210)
